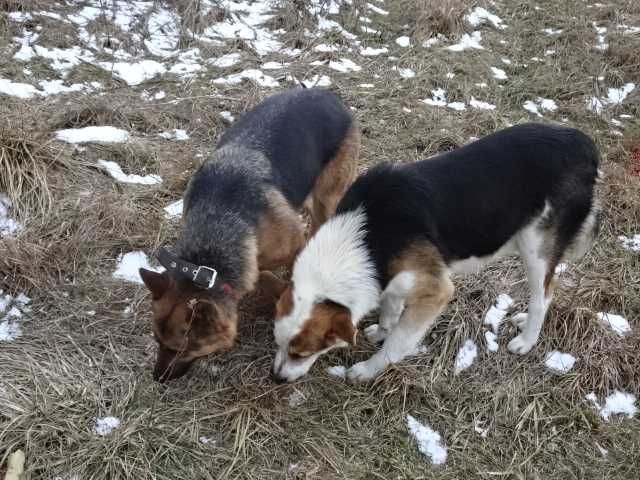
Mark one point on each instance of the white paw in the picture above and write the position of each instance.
(519, 320)
(520, 345)
(361, 372)
(375, 333)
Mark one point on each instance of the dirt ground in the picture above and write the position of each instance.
(85, 351)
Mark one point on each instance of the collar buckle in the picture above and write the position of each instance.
(212, 272)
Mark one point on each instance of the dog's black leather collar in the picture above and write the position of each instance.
(201, 275)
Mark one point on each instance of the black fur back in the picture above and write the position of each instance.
(299, 143)
(471, 201)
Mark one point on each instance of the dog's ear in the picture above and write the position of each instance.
(156, 282)
(341, 326)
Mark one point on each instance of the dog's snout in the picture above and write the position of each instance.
(277, 378)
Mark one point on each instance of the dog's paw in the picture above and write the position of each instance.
(519, 345)
(519, 320)
(375, 333)
(361, 372)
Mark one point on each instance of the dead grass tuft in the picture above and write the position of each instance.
(100, 114)
(428, 18)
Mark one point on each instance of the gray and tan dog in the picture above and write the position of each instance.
(241, 218)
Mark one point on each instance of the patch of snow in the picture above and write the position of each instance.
(548, 53)
(496, 314)
(547, 104)
(559, 362)
(430, 42)
(616, 96)
(164, 32)
(429, 441)
(159, 95)
(561, 268)
(498, 73)
(249, 74)
(406, 73)
(467, 41)
(116, 172)
(377, 10)
(344, 65)
(176, 134)
(17, 89)
(205, 440)
(106, 425)
(317, 81)
(481, 85)
(619, 403)
(481, 105)
(459, 106)
(450, 75)
(438, 98)
(174, 209)
(617, 323)
(594, 104)
(135, 73)
(274, 65)
(324, 48)
(403, 41)
(552, 31)
(325, 24)
(629, 29)
(491, 339)
(188, 63)
(601, 37)
(8, 226)
(530, 106)
(225, 61)
(56, 87)
(128, 265)
(630, 243)
(101, 134)
(465, 357)
(366, 85)
(506, 61)
(477, 427)
(479, 16)
(372, 52)
(227, 116)
(406, 110)
(338, 371)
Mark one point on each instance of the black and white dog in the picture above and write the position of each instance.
(403, 230)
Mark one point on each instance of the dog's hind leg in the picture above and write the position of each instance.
(428, 297)
(541, 278)
(334, 180)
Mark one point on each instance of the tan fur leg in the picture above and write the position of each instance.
(280, 234)
(425, 287)
(335, 179)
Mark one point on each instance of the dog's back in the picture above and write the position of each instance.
(289, 142)
(470, 201)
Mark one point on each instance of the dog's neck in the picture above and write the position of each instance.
(336, 265)
(222, 242)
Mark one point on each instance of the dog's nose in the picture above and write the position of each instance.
(277, 378)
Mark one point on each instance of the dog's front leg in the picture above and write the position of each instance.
(428, 298)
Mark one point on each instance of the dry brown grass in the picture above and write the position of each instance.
(82, 357)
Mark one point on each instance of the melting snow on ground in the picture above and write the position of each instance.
(479, 16)
(116, 172)
(618, 403)
(102, 134)
(630, 243)
(540, 104)
(106, 425)
(496, 314)
(249, 74)
(175, 134)
(466, 356)
(372, 52)
(317, 81)
(481, 105)
(135, 73)
(491, 339)
(498, 73)
(344, 65)
(129, 264)
(8, 226)
(403, 41)
(227, 116)
(617, 323)
(439, 99)
(174, 209)
(615, 96)
(429, 441)
(12, 310)
(559, 362)
(466, 42)
(337, 371)
(225, 61)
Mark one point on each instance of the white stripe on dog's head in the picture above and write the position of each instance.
(332, 274)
